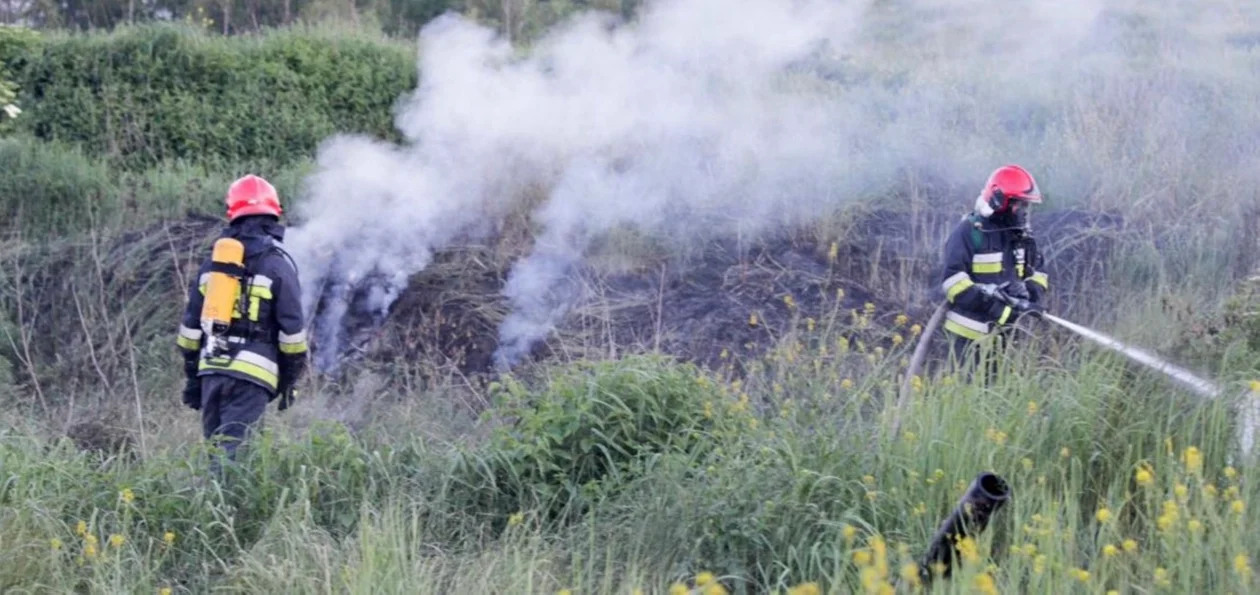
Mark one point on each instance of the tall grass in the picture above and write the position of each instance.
(802, 483)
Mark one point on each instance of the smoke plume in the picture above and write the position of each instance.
(706, 118)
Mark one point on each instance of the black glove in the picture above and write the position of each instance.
(192, 393)
(1022, 307)
(1018, 290)
(287, 395)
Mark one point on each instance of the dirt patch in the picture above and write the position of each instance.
(723, 298)
(91, 307)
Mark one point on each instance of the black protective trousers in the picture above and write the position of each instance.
(230, 410)
(968, 357)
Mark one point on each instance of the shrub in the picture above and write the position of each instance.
(592, 429)
(144, 95)
(50, 188)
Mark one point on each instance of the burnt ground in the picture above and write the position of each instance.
(697, 307)
(91, 307)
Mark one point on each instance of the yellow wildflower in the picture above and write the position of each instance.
(1110, 550)
(715, 589)
(1255, 386)
(117, 540)
(168, 537)
(1182, 492)
(910, 574)
(839, 293)
(833, 252)
(915, 329)
(1194, 525)
(1242, 567)
(127, 495)
(984, 584)
(897, 339)
(1039, 564)
(80, 528)
(704, 578)
(916, 383)
(1032, 408)
(89, 550)
(516, 518)
(910, 436)
(869, 308)
(1113, 592)
(968, 549)
(1169, 516)
(901, 320)
(806, 589)
(1209, 491)
(1161, 577)
(1193, 460)
(678, 589)
(1129, 545)
(862, 557)
(846, 384)
(1231, 472)
(1238, 506)
(752, 319)
(164, 591)
(564, 592)
(849, 532)
(1103, 515)
(995, 436)
(788, 301)
(1080, 574)
(1065, 452)
(810, 324)
(55, 543)
(1143, 476)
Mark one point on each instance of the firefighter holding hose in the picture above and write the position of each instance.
(242, 334)
(991, 273)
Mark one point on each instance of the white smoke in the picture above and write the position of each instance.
(707, 118)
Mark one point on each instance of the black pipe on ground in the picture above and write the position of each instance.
(987, 493)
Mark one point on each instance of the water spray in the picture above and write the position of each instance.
(1199, 386)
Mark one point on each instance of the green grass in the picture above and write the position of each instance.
(799, 477)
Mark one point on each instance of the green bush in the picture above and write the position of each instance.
(148, 94)
(592, 429)
(51, 188)
(55, 188)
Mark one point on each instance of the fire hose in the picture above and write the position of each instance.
(1199, 386)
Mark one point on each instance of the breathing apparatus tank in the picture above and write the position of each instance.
(223, 292)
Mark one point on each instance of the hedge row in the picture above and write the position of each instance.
(146, 95)
(53, 188)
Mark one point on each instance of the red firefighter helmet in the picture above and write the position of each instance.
(1006, 188)
(252, 195)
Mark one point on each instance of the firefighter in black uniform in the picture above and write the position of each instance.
(991, 275)
(266, 352)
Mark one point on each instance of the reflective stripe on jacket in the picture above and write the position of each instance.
(978, 252)
(272, 357)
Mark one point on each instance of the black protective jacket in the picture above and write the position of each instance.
(267, 339)
(984, 250)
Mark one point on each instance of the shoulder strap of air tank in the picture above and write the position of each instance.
(977, 236)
